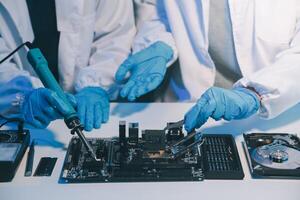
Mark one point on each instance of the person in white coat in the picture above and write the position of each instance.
(84, 41)
(252, 44)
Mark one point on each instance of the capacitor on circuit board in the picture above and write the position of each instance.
(122, 133)
(133, 133)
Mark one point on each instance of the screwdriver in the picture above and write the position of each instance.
(40, 66)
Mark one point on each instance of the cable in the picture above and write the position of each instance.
(10, 120)
(3, 123)
(28, 44)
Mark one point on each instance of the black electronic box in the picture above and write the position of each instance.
(13, 144)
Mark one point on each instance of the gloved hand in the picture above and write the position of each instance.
(147, 69)
(92, 107)
(41, 106)
(220, 103)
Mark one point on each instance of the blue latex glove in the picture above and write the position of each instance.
(92, 107)
(220, 103)
(41, 106)
(147, 70)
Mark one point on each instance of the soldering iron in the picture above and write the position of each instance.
(40, 66)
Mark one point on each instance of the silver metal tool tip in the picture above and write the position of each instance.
(87, 145)
(95, 156)
(97, 159)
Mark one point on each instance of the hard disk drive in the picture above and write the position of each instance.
(273, 155)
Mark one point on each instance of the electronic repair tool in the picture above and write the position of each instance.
(13, 145)
(273, 155)
(159, 155)
(30, 159)
(40, 65)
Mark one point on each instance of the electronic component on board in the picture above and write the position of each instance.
(174, 131)
(154, 140)
(152, 157)
(273, 155)
(185, 144)
(220, 157)
(133, 133)
(122, 133)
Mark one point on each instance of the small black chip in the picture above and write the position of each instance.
(45, 166)
(154, 139)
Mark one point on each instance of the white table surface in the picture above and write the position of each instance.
(153, 116)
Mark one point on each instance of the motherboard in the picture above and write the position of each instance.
(158, 155)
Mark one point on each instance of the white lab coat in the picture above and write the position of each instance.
(95, 38)
(266, 37)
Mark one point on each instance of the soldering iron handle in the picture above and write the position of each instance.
(40, 66)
